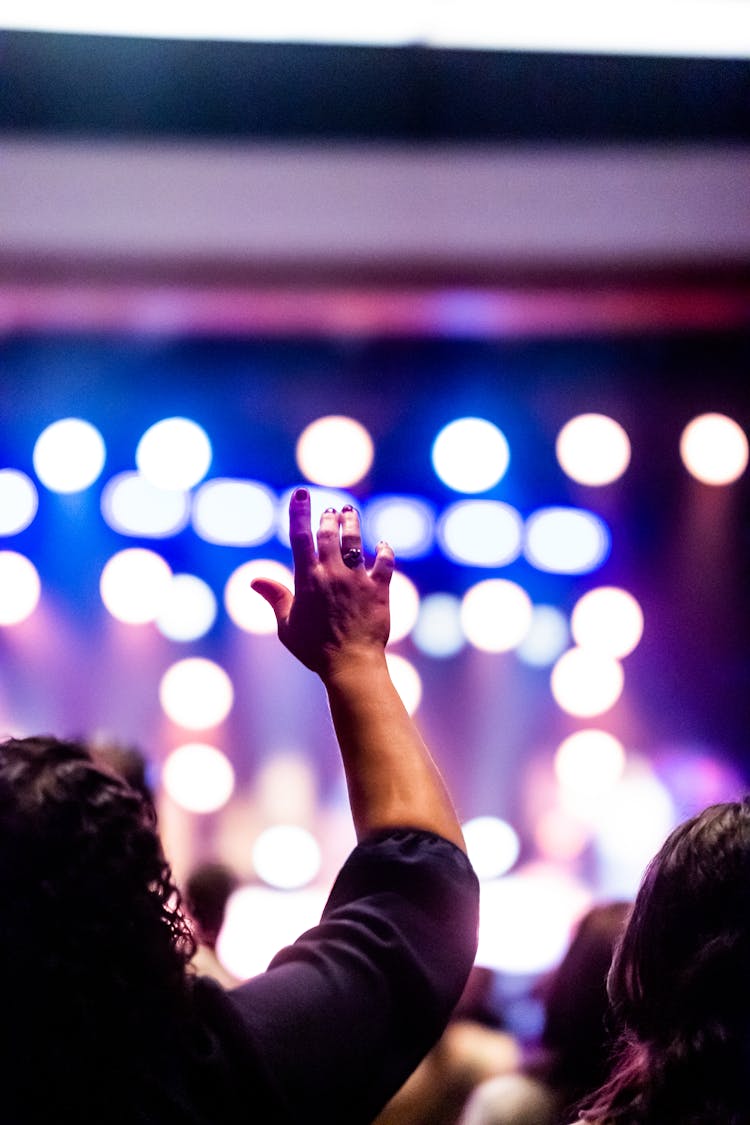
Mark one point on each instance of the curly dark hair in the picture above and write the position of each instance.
(680, 982)
(92, 938)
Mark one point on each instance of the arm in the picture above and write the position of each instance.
(337, 624)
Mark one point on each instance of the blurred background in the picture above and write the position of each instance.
(488, 278)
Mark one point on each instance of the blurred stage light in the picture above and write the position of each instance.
(543, 904)
(496, 615)
(198, 777)
(609, 620)
(481, 532)
(244, 946)
(174, 453)
(20, 588)
(248, 610)
(404, 598)
(189, 609)
(406, 680)
(196, 693)
(405, 522)
(632, 823)
(69, 455)
(589, 763)
(320, 499)
(492, 845)
(585, 682)
(18, 501)
(133, 506)
(560, 836)
(237, 513)
(547, 638)
(438, 631)
(566, 540)
(470, 455)
(335, 451)
(593, 449)
(714, 449)
(134, 585)
(286, 856)
(286, 788)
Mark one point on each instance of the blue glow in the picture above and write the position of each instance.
(133, 506)
(438, 631)
(238, 513)
(406, 522)
(547, 638)
(566, 540)
(481, 532)
(470, 455)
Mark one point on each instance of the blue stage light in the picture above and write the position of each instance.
(174, 453)
(481, 532)
(470, 455)
(237, 513)
(133, 506)
(406, 522)
(69, 455)
(566, 540)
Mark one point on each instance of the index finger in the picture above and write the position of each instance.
(300, 533)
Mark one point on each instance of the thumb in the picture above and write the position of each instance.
(278, 597)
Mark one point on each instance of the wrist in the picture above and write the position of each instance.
(354, 666)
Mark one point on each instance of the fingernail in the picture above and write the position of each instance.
(301, 494)
(328, 510)
(348, 508)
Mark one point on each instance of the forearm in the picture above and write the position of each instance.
(392, 778)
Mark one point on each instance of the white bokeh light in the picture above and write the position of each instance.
(286, 856)
(593, 449)
(547, 638)
(244, 947)
(236, 513)
(20, 588)
(481, 532)
(406, 522)
(134, 585)
(248, 610)
(496, 615)
(196, 693)
(174, 453)
(608, 619)
(438, 631)
(470, 455)
(406, 680)
(585, 682)
(589, 763)
(404, 602)
(132, 505)
(69, 455)
(632, 823)
(198, 777)
(544, 904)
(189, 609)
(492, 845)
(335, 451)
(18, 501)
(566, 540)
(714, 449)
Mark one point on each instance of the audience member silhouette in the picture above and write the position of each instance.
(102, 1020)
(680, 983)
(207, 891)
(574, 1053)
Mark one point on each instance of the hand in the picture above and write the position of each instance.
(337, 611)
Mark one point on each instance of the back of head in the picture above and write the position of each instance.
(88, 920)
(680, 979)
(207, 892)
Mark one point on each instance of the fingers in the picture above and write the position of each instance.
(278, 597)
(329, 543)
(384, 565)
(351, 537)
(300, 533)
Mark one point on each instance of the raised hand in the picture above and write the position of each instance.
(339, 610)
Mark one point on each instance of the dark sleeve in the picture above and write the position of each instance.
(345, 1014)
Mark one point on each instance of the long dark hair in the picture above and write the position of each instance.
(93, 943)
(680, 982)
